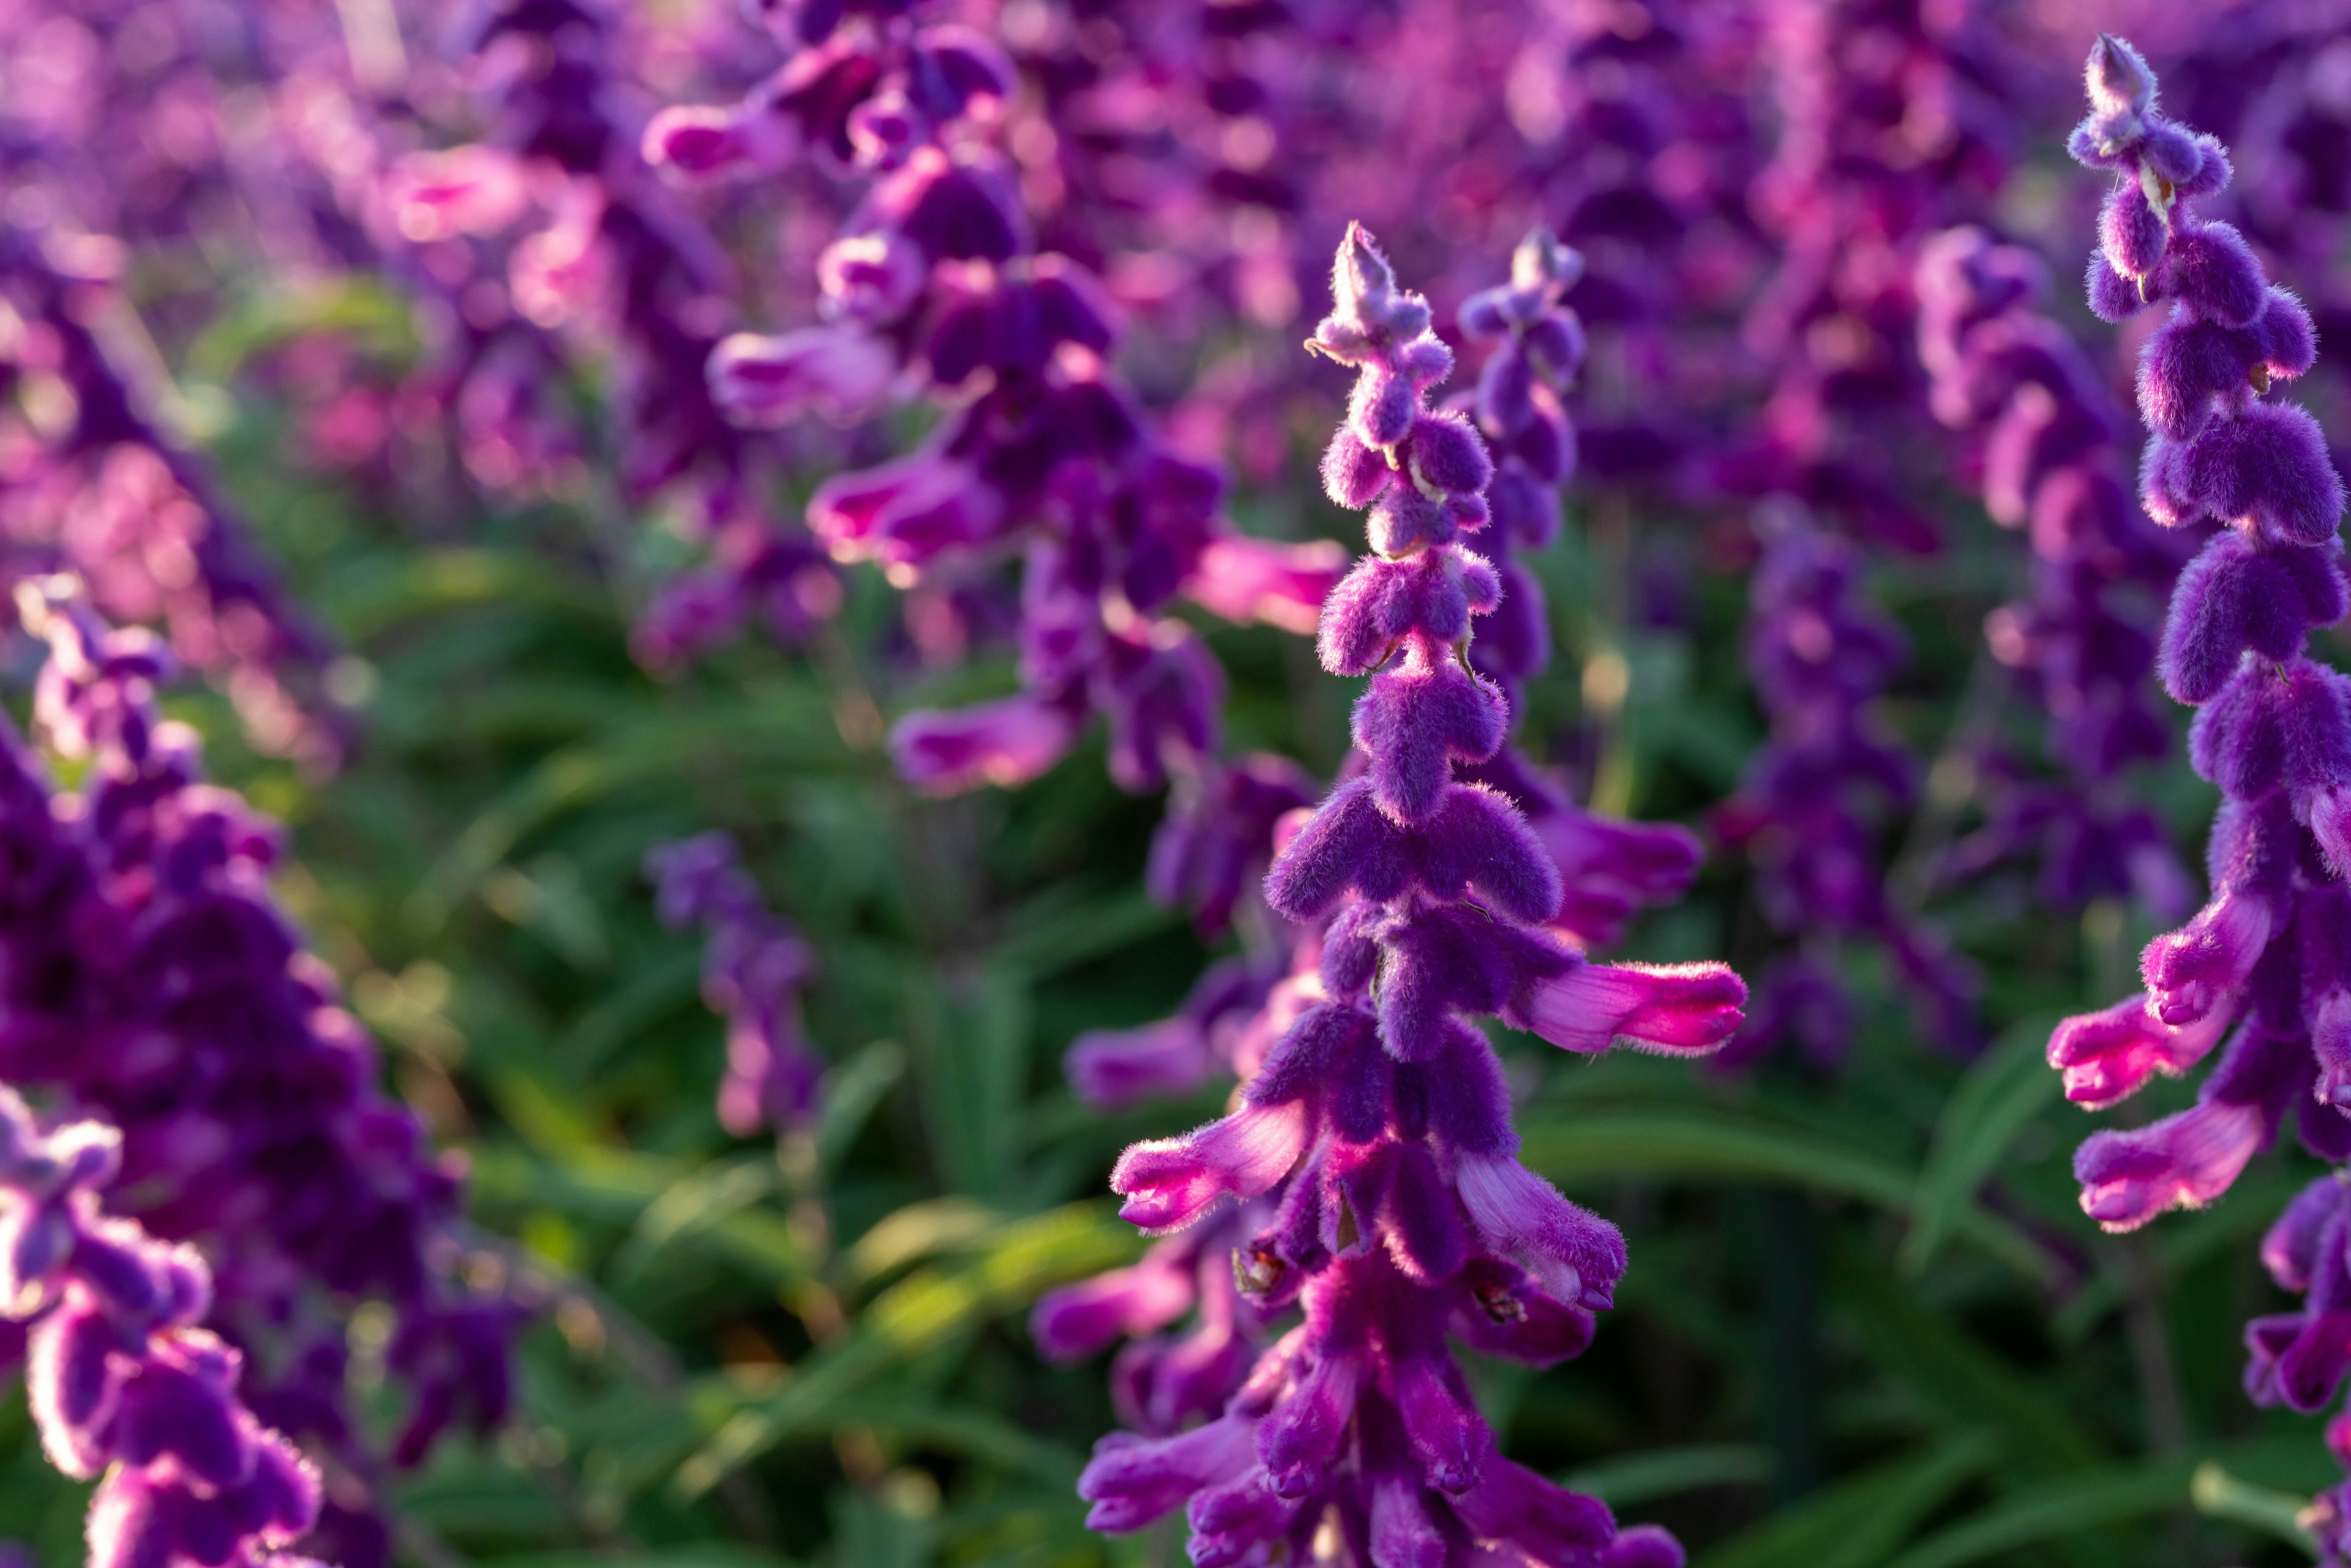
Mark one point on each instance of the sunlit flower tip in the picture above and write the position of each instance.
(1276, 584)
(2196, 968)
(1108, 1067)
(1575, 1255)
(2119, 79)
(1361, 278)
(839, 373)
(1542, 262)
(2107, 1056)
(1683, 1008)
(1547, 1523)
(2181, 1162)
(472, 190)
(1131, 1481)
(692, 143)
(1074, 1321)
(1005, 743)
(1171, 1182)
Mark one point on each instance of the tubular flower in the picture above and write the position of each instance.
(2049, 464)
(752, 972)
(1374, 1142)
(935, 287)
(152, 978)
(2266, 962)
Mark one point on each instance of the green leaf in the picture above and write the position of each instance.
(698, 1203)
(1715, 1143)
(1955, 1373)
(1668, 1472)
(2002, 1091)
(2090, 1501)
(918, 1312)
(911, 1234)
(794, 735)
(1857, 1523)
(851, 1090)
(972, 1434)
(350, 303)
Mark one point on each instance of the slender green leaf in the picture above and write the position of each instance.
(1713, 1144)
(851, 1092)
(2002, 1091)
(1859, 1522)
(918, 1312)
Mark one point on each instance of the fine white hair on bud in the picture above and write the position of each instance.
(2119, 79)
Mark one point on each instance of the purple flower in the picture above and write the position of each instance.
(107, 497)
(1372, 1150)
(752, 972)
(2269, 953)
(2051, 465)
(1810, 808)
(121, 1382)
(935, 287)
(153, 981)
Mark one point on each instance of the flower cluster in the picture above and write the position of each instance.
(1378, 1127)
(124, 1385)
(1817, 794)
(752, 973)
(150, 979)
(87, 483)
(934, 287)
(2273, 732)
(2051, 465)
(548, 249)
(1888, 134)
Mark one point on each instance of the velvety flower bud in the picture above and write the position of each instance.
(1131, 1481)
(840, 372)
(1078, 1321)
(2235, 599)
(1577, 1256)
(1669, 1009)
(1170, 1183)
(1005, 743)
(2118, 79)
(2108, 1056)
(2181, 1162)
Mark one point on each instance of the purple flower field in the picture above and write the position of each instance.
(1107, 783)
